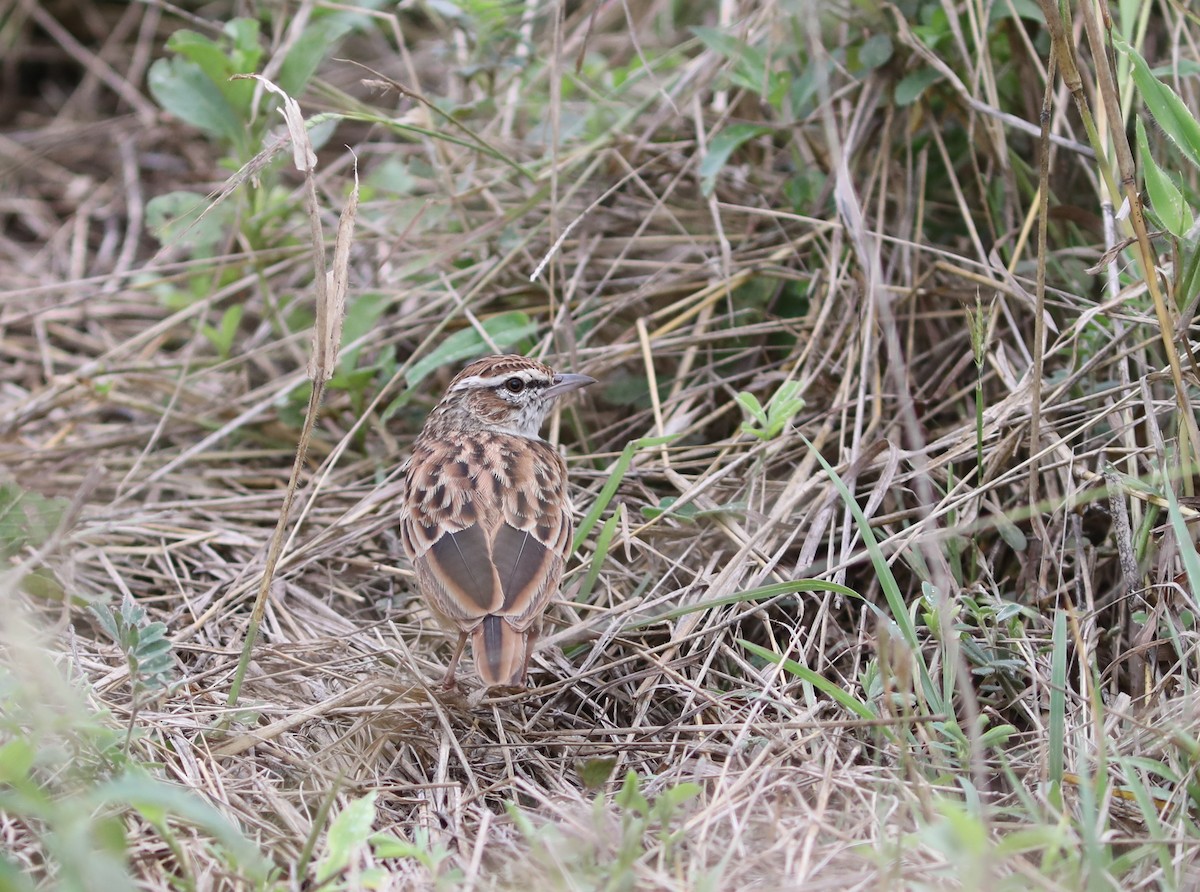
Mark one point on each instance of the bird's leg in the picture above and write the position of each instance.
(531, 638)
(448, 682)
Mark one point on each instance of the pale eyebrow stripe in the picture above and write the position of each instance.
(498, 380)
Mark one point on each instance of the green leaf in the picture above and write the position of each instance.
(996, 737)
(182, 88)
(680, 793)
(13, 878)
(1164, 104)
(42, 583)
(362, 317)
(603, 542)
(348, 833)
(818, 681)
(666, 504)
(595, 772)
(219, 65)
(197, 48)
(246, 50)
(222, 336)
(691, 511)
(1165, 197)
(307, 53)
(504, 330)
(760, 593)
(1182, 68)
(614, 480)
(911, 87)
(721, 147)
(630, 798)
(675, 796)
(750, 403)
(1024, 9)
(721, 43)
(875, 51)
(385, 845)
(154, 798)
(897, 605)
(16, 758)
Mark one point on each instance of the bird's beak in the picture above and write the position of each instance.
(565, 383)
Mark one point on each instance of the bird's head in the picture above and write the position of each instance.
(507, 394)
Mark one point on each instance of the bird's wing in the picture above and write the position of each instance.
(531, 541)
(487, 525)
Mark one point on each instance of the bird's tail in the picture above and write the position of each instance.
(501, 652)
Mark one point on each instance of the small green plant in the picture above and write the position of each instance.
(350, 836)
(1169, 204)
(602, 860)
(203, 82)
(197, 82)
(781, 408)
(71, 790)
(147, 652)
(639, 815)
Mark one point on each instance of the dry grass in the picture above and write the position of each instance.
(176, 457)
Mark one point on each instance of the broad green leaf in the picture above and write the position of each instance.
(349, 832)
(679, 794)
(1165, 197)
(721, 147)
(750, 403)
(750, 69)
(246, 50)
(722, 43)
(197, 48)
(691, 511)
(875, 51)
(307, 53)
(1164, 104)
(184, 90)
(362, 316)
(16, 758)
(222, 336)
(1024, 9)
(155, 799)
(13, 878)
(1184, 68)
(595, 772)
(504, 330)
(219, 65)
(911, 87)
(630, 797)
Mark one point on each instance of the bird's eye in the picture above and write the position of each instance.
(514, 385)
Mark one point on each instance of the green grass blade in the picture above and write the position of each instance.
(818, 681)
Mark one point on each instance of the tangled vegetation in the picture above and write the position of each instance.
(883, 574)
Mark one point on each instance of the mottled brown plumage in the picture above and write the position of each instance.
(486, 519)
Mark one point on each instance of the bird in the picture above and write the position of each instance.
(486, 517)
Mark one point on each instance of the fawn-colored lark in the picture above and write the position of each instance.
(486, 518)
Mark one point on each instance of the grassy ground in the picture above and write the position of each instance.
(883, 577)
